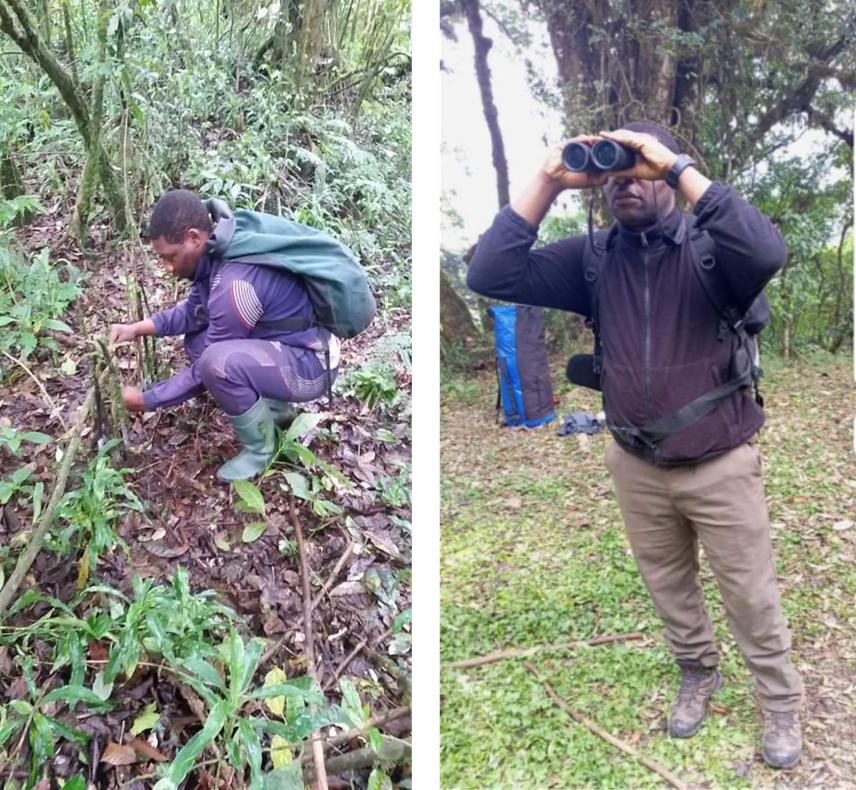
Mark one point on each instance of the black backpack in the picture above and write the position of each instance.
(741, 329)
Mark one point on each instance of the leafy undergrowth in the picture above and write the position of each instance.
(533, 552)
(165, 600)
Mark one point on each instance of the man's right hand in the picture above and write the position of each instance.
(122, 333)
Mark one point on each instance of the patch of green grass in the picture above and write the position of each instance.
(534, 552)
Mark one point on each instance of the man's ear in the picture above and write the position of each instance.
(196, 237)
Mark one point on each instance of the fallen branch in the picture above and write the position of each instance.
(332, 577)
(526, 652)
(352, 655)
(609, 738)
(362, 732)
(391, 751)
(55, 412)
(25, 560)
(309, 645)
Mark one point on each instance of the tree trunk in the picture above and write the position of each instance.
(456, 321)
(33, 45)
(482, 46)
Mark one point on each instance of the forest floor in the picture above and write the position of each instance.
(189, 521)
(533, 552)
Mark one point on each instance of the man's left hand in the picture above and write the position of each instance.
(653, 159)
(133, 399)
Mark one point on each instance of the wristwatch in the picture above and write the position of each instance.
(681, 163)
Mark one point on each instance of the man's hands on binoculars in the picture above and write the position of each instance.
(566, 179)
(653, 159)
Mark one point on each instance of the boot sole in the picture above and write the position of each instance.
(782, 766)
(717, 687)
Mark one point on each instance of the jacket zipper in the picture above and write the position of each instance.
(647, 328)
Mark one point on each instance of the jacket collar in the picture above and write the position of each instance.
(669, 230)
(203, 269)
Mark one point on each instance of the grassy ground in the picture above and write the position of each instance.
(533, 552)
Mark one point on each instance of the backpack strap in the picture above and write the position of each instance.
(594, 258)
(703, 249)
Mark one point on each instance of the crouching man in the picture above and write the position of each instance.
(250, 332)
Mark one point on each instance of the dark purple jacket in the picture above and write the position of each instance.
(658, 329)
(230, 300)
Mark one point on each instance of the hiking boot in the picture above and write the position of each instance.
(257, 434)
(688, 711)
(782, 743)
(282, 411)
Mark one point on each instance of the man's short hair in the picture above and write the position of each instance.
(655, 130)
(176, 212)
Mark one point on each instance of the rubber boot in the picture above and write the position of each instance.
(282, 411)
(256, 431)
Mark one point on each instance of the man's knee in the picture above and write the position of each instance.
(211, 364)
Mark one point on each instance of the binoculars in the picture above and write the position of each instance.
(602, 156)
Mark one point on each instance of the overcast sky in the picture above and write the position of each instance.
(468, 176)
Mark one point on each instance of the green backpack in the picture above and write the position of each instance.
(335, 281)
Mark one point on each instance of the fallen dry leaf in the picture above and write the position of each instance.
(118, 754)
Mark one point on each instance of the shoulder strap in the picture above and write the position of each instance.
(593, 259)
(712, 282)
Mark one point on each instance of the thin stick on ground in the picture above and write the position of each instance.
(309, 645)
(55, 412)
(608, 737)
(362, 732)
(332, 577)
(526, 652)
(352, 655)
(38, 537)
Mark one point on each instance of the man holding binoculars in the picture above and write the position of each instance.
(684, 462)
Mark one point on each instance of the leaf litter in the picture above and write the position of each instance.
(189, 521)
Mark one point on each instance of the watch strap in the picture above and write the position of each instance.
(681, 163)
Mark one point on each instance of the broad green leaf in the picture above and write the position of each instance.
(250, 496)
(250, 662)
(287, 690)
(75, 783)
(38, 493)
(253, 750)
(375, 740)
(101, 688)
(57, 326)
(378, 780)
(204, 670)
(69, 733)
(298, 484)
(146, 720)
(402, 619)
(288, 778)
(280, 752)
(253, 531)
(21, 707)
(186, 757)
(351, 700)
(10, 728)
(388, 437)
(72, 694)
(302, 424)
(275, 705)
(41, 739)
(37, 437)
(68, 367)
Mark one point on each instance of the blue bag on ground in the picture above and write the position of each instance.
(525, 392)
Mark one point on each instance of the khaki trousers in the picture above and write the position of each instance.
(720, 502)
